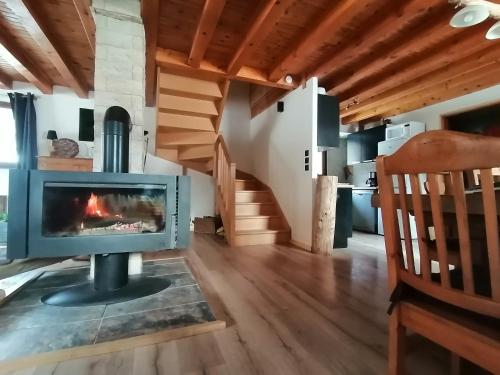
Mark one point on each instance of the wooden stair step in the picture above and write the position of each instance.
(190, 106)
(186, 86)
(253, 196)
(258, 222)
(249, 209)
(260, 237)
(196, 152)
(180, 121)
(246, 184)
(185, 138)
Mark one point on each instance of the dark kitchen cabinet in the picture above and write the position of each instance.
(363, 145)
(364, 216)
(328, 122)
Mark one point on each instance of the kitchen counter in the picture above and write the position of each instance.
(345, 186)
(364, 188)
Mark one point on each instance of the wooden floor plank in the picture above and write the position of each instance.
(287, 312)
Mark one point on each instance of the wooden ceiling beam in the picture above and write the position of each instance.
(439, 55)
(83, 9)
(427, 34)
(37, 25)
(16, 57)
(264, 19)
(175, 61)
(466, 83)
(468, 65)
(315, 34)
(209, 17)
(150, 11)
(5, 81)
(403, 16)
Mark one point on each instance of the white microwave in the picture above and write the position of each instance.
(405, 130)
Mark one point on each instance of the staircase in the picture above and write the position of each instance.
(188, 118)
(250, 213)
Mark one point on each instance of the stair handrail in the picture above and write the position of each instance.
(224, 173)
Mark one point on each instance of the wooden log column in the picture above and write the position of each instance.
(324, 215)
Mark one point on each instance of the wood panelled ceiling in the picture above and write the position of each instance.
(49, 42)
(380, 57)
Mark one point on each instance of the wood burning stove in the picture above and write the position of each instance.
(107, 214)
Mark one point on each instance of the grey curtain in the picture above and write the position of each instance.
(25, 119)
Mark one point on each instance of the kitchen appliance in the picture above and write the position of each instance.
(396, 136)
(372, 179)
(404, 130)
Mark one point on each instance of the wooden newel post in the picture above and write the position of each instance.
(324, 215)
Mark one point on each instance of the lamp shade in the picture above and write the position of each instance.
(51, 134)
(494, 31)
(470, 15)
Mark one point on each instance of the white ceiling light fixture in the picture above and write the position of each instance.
(475, 12)
(470, 15)
(494, 32)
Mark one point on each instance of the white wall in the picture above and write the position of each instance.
(235, 125)
(278, 142)
(59, 111)
(431, 115)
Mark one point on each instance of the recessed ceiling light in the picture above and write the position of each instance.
(494, 31)
(470, 15)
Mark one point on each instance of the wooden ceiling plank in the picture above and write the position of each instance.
(5, 81)
(486, 76)
(37, 25)
(417, 42)
(209, 17)
(176, 62)
(16, 57)
(264, 19)
(83, 9)
(396, 22)
(468, 65)
(440, 55)
(318, 30)
(150, 11)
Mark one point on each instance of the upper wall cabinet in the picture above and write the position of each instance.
(363, 146)
(328, 122)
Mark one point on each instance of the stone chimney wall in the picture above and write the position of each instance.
(119, 72)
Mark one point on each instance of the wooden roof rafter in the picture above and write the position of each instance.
(266, 15)
(17, 58)
(426, 34)
(5, 81)
(37, 26)
(404, 14)
(83, 9)
(209, 17)
(443, 54)
(315, 35)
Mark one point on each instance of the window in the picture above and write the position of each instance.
(8, 154)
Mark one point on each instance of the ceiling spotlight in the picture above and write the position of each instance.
(470, 15)
(494, 31)
(289, 79)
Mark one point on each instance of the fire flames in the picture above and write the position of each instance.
(94, 207)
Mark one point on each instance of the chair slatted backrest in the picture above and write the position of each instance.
(430, 156)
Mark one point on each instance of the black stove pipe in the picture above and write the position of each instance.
(111, 270)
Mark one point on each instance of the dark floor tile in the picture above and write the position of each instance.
(166, 298)
(45, 315)
(61, 278)
(28, 341)
(159, 269)
(148, 322)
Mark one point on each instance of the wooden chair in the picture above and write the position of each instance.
(459, 307)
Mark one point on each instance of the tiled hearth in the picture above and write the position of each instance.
(28, 327)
